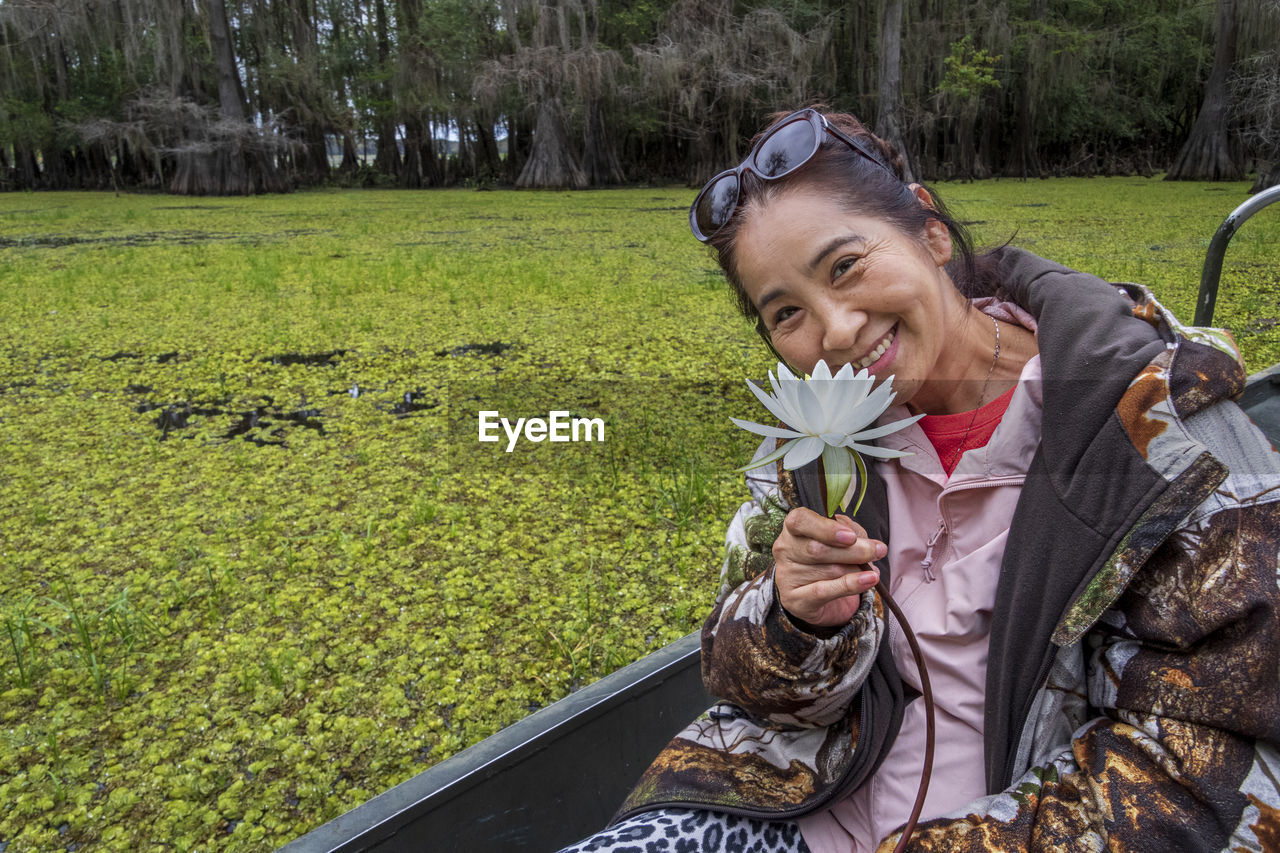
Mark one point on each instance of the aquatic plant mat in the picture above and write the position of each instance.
(256, 566)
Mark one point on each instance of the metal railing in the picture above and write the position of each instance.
(1208, 295)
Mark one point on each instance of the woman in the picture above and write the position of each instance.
(1084, 539)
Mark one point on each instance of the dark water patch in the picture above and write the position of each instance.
(58, 241)
(317, 359)
(265, 425)
(412, 401)
(137, 388)
(22, 383)
(125, 355)
(276, 236)
(409, 402)
(306, 418)
(1259, 326)
(495, 348)
(176, 416)
(249, 420)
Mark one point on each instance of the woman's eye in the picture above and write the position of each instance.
(842, 266)
(783, 315)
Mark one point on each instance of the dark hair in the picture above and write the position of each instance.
(858, 185)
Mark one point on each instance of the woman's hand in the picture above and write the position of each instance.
(821, 567)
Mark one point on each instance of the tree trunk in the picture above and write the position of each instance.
(315, 156)
(350, 159)
(55, 167)
(551, 163)
(1209, 153)
(102, 175)
(1268, 174)
(599, 163)
(387, 159)
(1027, 162)
(230, 91)
(966, 144)
(889, 104)
(421, 166)
(488, 162)
(411, 170)
(26, 167)
(519, 133)
(230, 160)
(432, 171)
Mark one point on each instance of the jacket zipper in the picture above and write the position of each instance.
(927, 563)
(944, 521)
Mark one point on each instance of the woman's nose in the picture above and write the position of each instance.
(840, 329)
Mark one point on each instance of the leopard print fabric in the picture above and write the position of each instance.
(693, 831)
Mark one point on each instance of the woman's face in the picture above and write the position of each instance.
(851, 289)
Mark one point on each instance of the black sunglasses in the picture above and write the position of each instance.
(789, 145)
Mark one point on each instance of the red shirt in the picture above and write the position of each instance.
(973, 428)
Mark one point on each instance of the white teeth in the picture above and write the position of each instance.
(875, 354)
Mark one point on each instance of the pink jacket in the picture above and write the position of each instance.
(946, 540)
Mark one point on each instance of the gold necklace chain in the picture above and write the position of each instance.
(995, 356)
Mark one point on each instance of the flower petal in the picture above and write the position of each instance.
(821, 391)
(767, 431)
(877, 452)
(812, 420)
(802, 452)
(877, 401)
(788, 389)
(847, 404)
(772, 457)
(775, 407)
(882, 430)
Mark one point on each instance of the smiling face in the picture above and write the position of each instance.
(854, 289)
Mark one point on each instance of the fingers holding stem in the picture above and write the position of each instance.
(823, 566)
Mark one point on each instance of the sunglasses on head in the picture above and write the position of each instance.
(790, 144)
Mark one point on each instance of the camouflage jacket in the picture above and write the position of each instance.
(1132, 698)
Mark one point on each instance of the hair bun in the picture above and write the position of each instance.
(888, 152)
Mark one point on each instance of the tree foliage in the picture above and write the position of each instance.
(236, 96)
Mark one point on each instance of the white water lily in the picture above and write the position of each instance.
(827, 416)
